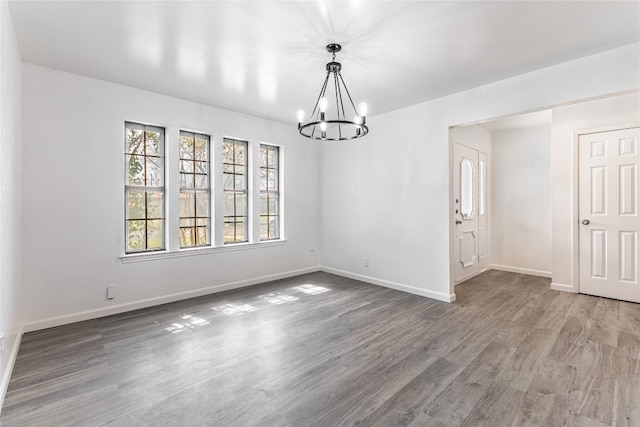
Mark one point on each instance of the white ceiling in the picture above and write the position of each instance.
(266, 58)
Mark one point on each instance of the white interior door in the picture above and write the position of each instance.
(466, 232)
(609, 189)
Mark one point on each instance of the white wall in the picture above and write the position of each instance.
(567, 123)
(73, 205)
(11, 279)
(520, 205)
(386, 196)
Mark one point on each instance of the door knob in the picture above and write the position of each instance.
(585, 222)
(458, 221)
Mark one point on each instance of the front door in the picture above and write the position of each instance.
(466, 225)
(609, 190)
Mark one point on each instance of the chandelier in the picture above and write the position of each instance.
(327, 124)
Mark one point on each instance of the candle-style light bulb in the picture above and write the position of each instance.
(323, 129)
(300, 115)
(362, 109)
(324, 102)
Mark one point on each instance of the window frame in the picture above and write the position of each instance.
(195, 190)
(275, 192)
(144, 188)
(243, 192)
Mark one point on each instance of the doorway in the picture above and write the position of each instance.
(470, 213)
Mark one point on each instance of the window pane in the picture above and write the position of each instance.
(153, 140)
(272, 180)
(187, 236)
(155, 204)
(155, 234)
(186, 166)
(273, 205)
(239, 154)
(186, 180)
(241, 231)
(272, 161)
(135, 205)
(202, 167)
(135, 170)
(136, 236)
(135, 141)
(186, 147)
(466, 188)
(201, 181)
(227, 152)
(227, 181)
(187, 222)
(187, 205)
(239, 182)
(482, 189)
(229, 204)
(263, 156)
(229, 232)
(264, 204)
(202, 149)
(264, 228)
(202, 204)
(274, 227)
(155, 171)
(202, 235)
(263, 179)
(241, 204)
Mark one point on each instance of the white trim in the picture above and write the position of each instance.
(563, 288)
(10, 364)
(392, 285)
(528, 271)
(150, 302)
(230, 247)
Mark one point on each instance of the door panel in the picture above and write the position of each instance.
(608, 212)
(466, 223)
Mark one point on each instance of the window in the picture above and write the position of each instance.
(195, 193)
(482, 190)
(269, 192)
(144, 188)
(234, 183)
(466, 188)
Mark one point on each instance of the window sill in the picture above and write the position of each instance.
(152, 256)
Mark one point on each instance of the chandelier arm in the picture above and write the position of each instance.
(336, 85)
(349, 95)
(316, 106)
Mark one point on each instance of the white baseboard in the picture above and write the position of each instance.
(102, 312)
(6, 376)
(392, 285)
(519, 270)
(563, 288)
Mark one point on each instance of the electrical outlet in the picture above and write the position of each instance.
(365, 261)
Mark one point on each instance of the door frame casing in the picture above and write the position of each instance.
(574, 287)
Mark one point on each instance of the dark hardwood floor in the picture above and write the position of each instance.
(321, 350)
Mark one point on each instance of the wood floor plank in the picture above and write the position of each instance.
(323, 350)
